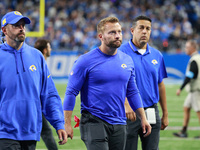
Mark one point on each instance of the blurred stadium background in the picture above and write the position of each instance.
(70, 25)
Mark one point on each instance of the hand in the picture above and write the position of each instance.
(164, 122)
(62, 135)
(69, 130)
(146, 127)
(178, 92)
(130, 114)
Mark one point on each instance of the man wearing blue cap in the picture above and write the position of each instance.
(26, 89)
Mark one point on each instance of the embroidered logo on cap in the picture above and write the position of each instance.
(4, 21)
(17, 13)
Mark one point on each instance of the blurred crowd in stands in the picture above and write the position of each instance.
(71, 24)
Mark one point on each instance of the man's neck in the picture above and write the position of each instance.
(15, 45)
(144, 46)
(193, 53)
(108, 50)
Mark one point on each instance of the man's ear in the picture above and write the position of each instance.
(3, 29)
(132, 30)
(44, 51)
(100, 36)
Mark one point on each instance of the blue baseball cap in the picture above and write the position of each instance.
(13, 17)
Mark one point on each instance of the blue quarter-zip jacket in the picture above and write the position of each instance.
(26, 91)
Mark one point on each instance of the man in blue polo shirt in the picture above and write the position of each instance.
(150, 71)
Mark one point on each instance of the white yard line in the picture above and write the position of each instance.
(180, 127)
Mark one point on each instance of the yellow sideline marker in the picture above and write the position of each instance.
(40, 33)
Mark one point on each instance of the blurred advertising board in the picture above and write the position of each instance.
(60, 64)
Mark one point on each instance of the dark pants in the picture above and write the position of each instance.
(100, 135)
(8, 144)
(47, 135)
(134, 129)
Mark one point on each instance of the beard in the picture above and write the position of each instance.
(142, 43)
(20, 38)
(48, 54)
(113, 44)
(17, 38)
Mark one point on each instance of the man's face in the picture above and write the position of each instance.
(141, 33)
(16, 31)
(189, 49)
(48, 49)
(112, 35)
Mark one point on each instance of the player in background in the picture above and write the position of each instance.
(44, 46)
(192, 84)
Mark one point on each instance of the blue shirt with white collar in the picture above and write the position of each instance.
(149, 69)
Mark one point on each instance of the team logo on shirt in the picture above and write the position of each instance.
(124, 66)
(154, 62)
(32, 68)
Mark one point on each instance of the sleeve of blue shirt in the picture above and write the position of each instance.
(133, 94)
(50, 100)
(75, 82)
(162, 71)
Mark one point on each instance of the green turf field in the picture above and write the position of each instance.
(167, 140)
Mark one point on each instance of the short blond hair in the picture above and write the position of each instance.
(101, 24)
(194, 44)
